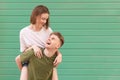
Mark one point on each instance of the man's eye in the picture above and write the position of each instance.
(53, 38)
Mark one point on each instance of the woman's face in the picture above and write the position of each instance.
(42, 19)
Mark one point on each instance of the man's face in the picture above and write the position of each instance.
(53, 42)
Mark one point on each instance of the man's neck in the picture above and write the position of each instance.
(49, 52)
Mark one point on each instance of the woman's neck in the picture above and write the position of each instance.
(36, 27)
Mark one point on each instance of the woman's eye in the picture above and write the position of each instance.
(43, 18)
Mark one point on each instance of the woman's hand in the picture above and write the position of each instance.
(58, 59)
(37, 51)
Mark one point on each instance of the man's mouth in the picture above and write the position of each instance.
(48, 43)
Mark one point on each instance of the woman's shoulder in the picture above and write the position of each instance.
(25, 29)
(49, 29)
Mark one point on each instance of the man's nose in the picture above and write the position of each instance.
(48, 39)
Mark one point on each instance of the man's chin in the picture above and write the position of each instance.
(47, 46)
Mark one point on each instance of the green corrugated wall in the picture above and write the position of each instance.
(92, 37)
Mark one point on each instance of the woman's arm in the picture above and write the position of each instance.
(37, 51)
(58, 59)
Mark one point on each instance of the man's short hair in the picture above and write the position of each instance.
(59, 35)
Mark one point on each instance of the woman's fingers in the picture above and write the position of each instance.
(38, 54)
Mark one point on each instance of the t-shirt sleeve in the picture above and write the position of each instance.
(22, 42)
(50, 30)
(26, 55)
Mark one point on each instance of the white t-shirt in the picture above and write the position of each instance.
(29, 37)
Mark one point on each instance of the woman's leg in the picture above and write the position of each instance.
(23, 69)
(24, 73)
(18, 62)
(55, 75)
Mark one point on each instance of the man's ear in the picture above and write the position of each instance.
(58, 46)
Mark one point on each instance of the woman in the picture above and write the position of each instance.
(35, 35)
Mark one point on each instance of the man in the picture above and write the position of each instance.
(42, 68)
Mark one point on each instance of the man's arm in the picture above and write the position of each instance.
(23, 57)
(26, 55)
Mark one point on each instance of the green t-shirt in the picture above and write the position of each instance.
(38, 68)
